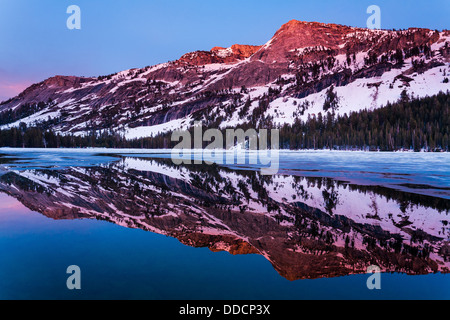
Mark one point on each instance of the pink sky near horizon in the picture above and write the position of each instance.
(10, 89)
(10, 205)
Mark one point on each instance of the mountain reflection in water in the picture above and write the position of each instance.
(307, 227)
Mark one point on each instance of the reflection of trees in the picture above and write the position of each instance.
(374, 207)
(404, 199)
(291, 234)
(23, 183)
(403, 205)
(331, 199)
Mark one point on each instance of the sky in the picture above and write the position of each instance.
(116, 35)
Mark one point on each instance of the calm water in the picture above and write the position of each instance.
(141, 227)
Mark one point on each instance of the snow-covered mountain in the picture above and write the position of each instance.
(284, 79)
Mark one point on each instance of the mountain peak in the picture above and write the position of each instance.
(297, 23)
(301, 59)
(295, 26)
(295, 35)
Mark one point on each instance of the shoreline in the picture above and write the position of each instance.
(135, 150)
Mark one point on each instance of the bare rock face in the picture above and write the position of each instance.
(233, 54)
(238, 50)
(299, 34)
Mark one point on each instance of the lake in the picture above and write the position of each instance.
(141, 227)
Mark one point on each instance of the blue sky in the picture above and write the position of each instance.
(116, 35)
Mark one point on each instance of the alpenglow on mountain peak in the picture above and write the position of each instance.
(278, 82)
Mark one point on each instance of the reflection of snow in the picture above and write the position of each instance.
(359, 168)
(153, 166)
(363, 207)
(360, 206)
(124, 192)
